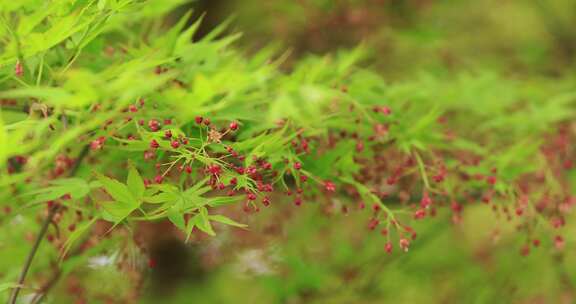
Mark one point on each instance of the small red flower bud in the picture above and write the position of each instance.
(419, 214)
(199, 119)
(154, 125)
(19, 69)
(388, 247)
(385, 110)
(175, 144)
(298, 201)
(426, 201)
(251, 196)
(154, 144)
(373, 224)
(158, 179)
(233, 126)
(329, 186)
(404, 244)
(168, 134)
(132, 108)
(559, 242)
(297, 165)
(266, 201)
(491, 180)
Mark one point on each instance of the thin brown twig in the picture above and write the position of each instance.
(43, 230)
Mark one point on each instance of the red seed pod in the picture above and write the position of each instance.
(426, 201)
(154, 144)
(491, 180)
(329, 186)
(215, 169)
(175, 144)
(385, 110)
(19, 69)
(404, 244)
(373, 223)
(388, 247)
(158, 179)
(251, 196)
(297, 165)
(419, 214)
(168, 134)
(154, 125)
(298, 201)
(233, 126)
(198, 119)
(266, 165)
(559, 242)
(266, 201)
(303, 178)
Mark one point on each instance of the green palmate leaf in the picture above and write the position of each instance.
(222, 201)
(225, 220)
(116, 212)
(135, 182)
(202, 221)
(177, 218)
(125, 202)
(161, 198)
(117, 190)
(77, 188)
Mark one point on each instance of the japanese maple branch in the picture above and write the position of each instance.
(53, 211)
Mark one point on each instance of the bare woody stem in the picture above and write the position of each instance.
(42, 233)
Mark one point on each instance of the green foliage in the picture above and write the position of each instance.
(96, 75)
